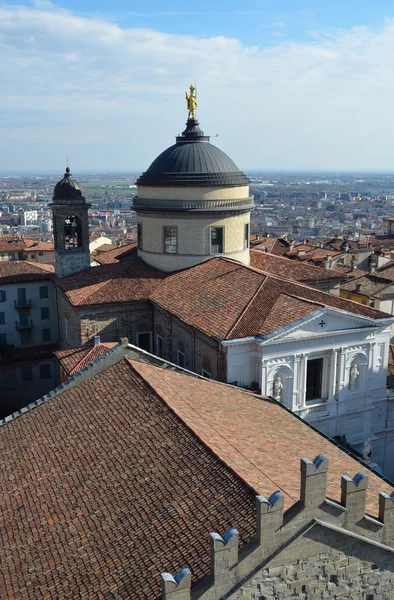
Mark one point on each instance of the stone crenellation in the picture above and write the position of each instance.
(317, 549)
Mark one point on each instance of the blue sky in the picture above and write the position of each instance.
(285, 84)
(261, 22)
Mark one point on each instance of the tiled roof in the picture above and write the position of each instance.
(368, 285)
(106, 254)
(253, 435)
(104, 487)
(227, 300)
(105, 284)
(73, 360)
(269, 244)
(14, 271)
(15, 244)
(291, 269)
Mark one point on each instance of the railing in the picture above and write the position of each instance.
(22, 304)
(28, 325)
(317, 410)
(181, 205)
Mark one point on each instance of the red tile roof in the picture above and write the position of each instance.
(73, 360)
(104, 487)
(106, 284)
(252, 435)
(291, 269)
(14, 271)
(227, 300)
(107, 253)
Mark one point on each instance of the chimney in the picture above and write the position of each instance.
(358, 287)
(97, 340)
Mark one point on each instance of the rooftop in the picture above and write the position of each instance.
(228, 300)
(15, 271)
(122, 476)
(73, 360)
(106, 284)
(291, 269)
(108, 253)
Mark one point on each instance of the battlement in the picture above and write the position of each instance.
(276, 530)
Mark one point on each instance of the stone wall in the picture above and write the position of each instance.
(79, 325)
(200, 351)
(318, 549)
(335, 568)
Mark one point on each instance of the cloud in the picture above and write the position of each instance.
(111, 97)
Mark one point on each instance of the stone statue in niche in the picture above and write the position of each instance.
(367, 451)
(277, 388)
(353, 376)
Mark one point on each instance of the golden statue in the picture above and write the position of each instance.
(191, 102)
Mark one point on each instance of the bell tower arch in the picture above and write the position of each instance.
(70, 227)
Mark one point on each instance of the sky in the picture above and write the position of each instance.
(282, 84)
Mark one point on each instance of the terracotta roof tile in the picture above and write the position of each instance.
(109, 254)
(120, 282)
(104, 487)
(291, 269)
(368, 285)
(72, 360)
(224, 298)
(253, 434)
(13, 271)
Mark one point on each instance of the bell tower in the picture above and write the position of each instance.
(70, 227)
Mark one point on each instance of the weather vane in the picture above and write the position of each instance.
(67, 163)
(191, 101)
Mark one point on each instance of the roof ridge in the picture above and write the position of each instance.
(246, 308)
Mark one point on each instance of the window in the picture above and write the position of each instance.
(170, 240)
(46, 334)
(32, 256)
(3, 340)
(180, 358)
(11, 256)
(206, 374)
(44, 313)
(314, 376)
(159, 346)
(216, 240)
(72, 232)
(2, 318)
(41, 253)
(44, 291)
(144, 341)
(45, 371)
(246, 236)
(25, 337)
(21, 292)
(27, 373)
(139, 236)
(2, 296)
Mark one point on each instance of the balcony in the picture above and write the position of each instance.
(25, 325)
(22, 303)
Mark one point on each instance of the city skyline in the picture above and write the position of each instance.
(297, 89)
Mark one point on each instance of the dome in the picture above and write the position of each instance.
(193, 161)
(67, 188)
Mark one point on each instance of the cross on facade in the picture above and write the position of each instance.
(322, 323)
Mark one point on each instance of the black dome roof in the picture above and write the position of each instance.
(193, 161)
(67, 188)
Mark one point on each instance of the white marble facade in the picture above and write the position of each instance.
(329, 368)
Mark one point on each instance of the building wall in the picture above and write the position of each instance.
(333, 566)
(79, 325)
(147, 192)
(194, 242)
(201, 353)
(41, 256)
(34, 316)
(16, 391)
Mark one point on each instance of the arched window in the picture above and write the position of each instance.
(72, 232)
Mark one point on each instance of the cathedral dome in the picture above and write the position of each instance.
(67, 188)
(193, 161)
